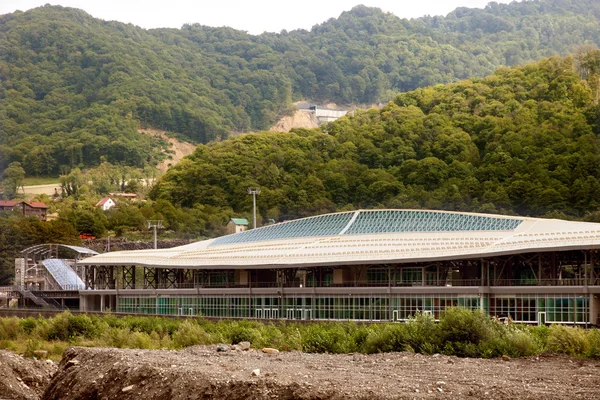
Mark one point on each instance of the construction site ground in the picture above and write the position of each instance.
(202, 372)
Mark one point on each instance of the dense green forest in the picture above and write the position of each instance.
(74, 90)
(523, 140)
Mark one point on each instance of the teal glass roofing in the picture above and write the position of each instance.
(396, 221)
(322, 225)
(373, 221)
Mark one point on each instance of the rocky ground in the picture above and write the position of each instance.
(202, 372)
(23, 378)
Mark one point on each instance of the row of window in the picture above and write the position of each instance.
(528, 309)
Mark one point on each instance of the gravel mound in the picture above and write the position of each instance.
(202, 372)
(23, 378)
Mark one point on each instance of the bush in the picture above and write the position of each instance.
(116, 337)
(512, 341)
(10, 328)
(460, 331)
(190, 334)
(66, 326)
(8, 345)
(565, 340)
(593, 339)
(240, 332)
(422, 332)
(540, 335)
(31, 345)
(386, 338)
(139, 340)
(292, 337)
(328, 338)
(28, 325)
(57, 350)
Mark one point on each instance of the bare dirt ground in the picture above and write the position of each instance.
(179, 149)
(300, 119)
(201, 372)
(23, 378)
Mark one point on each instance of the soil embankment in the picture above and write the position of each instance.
(201, 372)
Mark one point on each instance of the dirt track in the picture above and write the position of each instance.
(203, 373)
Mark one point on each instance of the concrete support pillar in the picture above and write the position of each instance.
(101, 302)
(595, 309)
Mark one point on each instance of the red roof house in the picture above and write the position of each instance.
(30, 209)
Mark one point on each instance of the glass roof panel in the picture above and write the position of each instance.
(322, 225)
(396, 221)
(63, 274)
(374, 221)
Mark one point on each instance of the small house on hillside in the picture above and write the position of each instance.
(237, 225)
(106, 203)
(29, 209)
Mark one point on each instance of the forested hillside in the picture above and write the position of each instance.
(74, 90)
(523, 140)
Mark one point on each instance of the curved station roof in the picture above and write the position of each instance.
(369, 237)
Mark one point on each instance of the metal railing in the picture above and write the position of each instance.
(544, 282)
(296, 284)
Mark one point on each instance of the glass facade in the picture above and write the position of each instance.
(571, 309)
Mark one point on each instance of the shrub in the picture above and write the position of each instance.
(28, 325)
(66, 326)
(116, 337)
(512, 341)
(593, 339)
(270, 336)
(460, 331)
(8, 345)
(241, 333)
(10, 328)
(292, 337)
(386, 338)
(31, 345)
(540, 335)
(57, 350)
(190, 334)
(327, 338)
(422, 333)
(565, 340)
(139, 340)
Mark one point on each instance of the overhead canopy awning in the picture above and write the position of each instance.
(48, 247)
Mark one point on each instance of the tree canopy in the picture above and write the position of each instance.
(74, 90)
(523, 140)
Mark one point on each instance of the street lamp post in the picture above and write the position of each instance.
(254, 191)
(155, 224)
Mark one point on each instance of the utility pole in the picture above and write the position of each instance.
(155, 224)
(254, 191)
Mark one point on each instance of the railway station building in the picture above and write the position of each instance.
(367, 265)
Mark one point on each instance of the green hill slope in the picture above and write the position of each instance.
(74, 89)
(523, 140)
